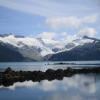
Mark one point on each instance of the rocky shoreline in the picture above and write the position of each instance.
(9, 76)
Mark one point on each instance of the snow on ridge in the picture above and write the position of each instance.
(30, 42)
(11, 39)
(46, 46)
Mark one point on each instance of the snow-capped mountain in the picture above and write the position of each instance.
(36, 48)
(89, 50)
(67, 46)
(29, 47)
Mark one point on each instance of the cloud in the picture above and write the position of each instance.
(87, 31)
(59, 37)
(90, 19)
(52, 7)
(70, 22)
(59, 22)
(47, 35)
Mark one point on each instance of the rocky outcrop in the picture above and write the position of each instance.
(9, 76)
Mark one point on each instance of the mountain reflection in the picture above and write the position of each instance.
(85, 83)
(78, 87)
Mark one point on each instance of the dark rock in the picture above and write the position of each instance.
(9, 76)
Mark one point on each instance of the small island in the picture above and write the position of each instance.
(9, 76)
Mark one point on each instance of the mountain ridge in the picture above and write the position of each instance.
(40, 49)
(89, 51)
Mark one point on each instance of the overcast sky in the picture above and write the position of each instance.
(50, 18)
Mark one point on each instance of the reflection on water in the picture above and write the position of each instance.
(78, 87)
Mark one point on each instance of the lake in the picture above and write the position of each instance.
(29, 66)
(77, 87)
